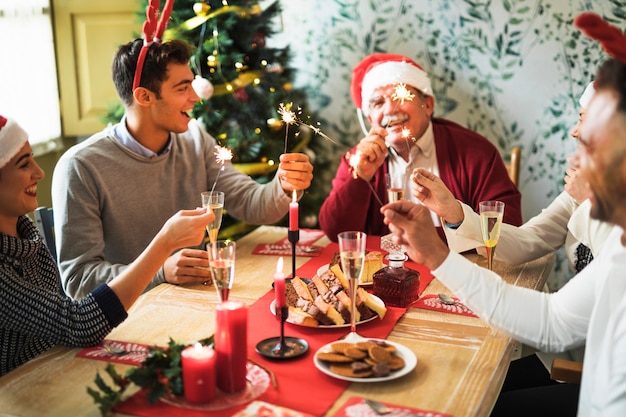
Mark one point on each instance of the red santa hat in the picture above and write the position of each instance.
(12, 139)
(379, 70)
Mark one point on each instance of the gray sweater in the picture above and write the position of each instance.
(35, 314)
(109, 201)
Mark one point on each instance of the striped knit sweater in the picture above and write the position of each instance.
(35, 314)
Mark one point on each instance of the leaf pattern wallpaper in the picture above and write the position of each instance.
(512, 70)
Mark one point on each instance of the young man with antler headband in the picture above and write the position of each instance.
(112, 192)
(591, 308)
(395, 95)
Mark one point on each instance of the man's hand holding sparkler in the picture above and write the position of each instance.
(295, 172)
(370, 154)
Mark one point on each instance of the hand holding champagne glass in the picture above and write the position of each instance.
(222, 265)
(352, 253)
(491, 213)
(214, 200)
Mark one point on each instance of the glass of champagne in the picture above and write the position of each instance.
(352, 253)
(396, 187)
(491, 213)
(215, 201)
(222, 265)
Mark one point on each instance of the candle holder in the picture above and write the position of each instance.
(282, 347)
(294, 238)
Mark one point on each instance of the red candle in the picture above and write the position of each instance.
(231, 345)
(293, 211)
(198, 364)
(279, 285)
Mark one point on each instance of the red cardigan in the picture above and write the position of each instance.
(469, 165)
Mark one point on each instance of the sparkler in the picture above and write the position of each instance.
(353, 161)
(222, 155)
(289, 117)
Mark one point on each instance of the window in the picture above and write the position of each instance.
(28, 81)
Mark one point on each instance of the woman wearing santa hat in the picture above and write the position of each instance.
(35, 314)
(395, 95)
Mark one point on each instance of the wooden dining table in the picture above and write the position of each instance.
(461, 365)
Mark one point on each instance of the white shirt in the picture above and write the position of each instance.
(590, 308)
(562, 223)
(422, 155)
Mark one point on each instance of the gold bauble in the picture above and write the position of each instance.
(201, 9)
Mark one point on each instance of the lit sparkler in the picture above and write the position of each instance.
(222, 154)
(289, 117)
(402, 94)
(353, 161)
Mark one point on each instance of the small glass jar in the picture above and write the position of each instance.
(396, 285)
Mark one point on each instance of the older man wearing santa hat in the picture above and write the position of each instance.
(395, 95)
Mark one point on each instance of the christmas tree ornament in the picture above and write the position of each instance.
(201, 9)
(202, 87)
(242, 95)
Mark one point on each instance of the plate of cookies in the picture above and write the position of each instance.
(370, 360)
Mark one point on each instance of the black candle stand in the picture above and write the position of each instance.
(282, 347)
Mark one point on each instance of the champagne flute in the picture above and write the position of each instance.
(215, 201)
(352, 253)
(396, 187)
(491, 213)
(222, 266)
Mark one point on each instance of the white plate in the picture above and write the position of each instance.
(324, 268)
(332, 326)
(410, 361)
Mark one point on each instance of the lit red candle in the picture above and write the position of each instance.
(198, 364)
(231, 344)
(279, 284)
(293, 212)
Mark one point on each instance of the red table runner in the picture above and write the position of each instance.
(300, 385)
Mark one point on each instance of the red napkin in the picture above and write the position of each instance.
(304, 247)
(135, 356)
(355, 406)
(432, 302)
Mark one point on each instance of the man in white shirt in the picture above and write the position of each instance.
(591, 308)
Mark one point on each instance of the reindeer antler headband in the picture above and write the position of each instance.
(153, 29)
(610, 37)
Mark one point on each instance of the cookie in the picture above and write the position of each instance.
(396, 363)
(379, 354)
(347, 371)
(333, 357)
(355, 353)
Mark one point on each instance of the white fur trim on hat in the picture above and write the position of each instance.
(393, 72)
(585, 99)
(12, 139)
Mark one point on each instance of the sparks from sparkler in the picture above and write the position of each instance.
(222, 155)
(289, 117)
(353, 161)
(402, 93)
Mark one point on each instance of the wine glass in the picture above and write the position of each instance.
(395, 187)
(215, 201)
(491, 213)
(352, 253)
(222, 265)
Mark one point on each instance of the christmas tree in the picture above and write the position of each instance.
(243, 83)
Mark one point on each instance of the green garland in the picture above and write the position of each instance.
(159, 373)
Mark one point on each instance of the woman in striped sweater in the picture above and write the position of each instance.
(35, 314)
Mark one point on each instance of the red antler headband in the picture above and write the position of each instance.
(611, 38)
(152, 32)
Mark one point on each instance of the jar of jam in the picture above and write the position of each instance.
(396, 285)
